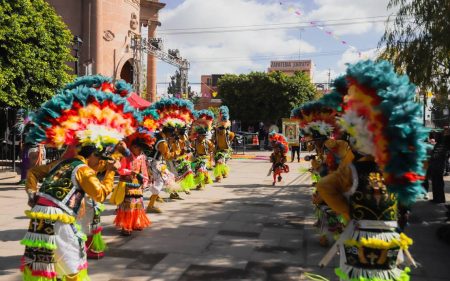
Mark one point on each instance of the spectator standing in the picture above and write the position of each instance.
(437, 169)
(262, 135)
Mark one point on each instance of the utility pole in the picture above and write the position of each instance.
(77, 42)
(424, 106)
(329, 79)
(300, 44)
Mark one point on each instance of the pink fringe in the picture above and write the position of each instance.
(83, 266)
(99, 229)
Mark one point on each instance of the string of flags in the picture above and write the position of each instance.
(296, 11)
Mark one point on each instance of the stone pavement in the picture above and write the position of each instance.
(241, 229)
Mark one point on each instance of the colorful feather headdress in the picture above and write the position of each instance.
(174, 112)
(81, 115)
(203, 121)
(385, 122)
(145, 133)
(279, 140)
(223, 119)
(150, 119)
(142, 136)
(316, 119)
(102, 83)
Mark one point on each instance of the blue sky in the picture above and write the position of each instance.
(211, 50)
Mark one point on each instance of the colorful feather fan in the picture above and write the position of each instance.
(150, 119)
(141, 136)
(83, 115)
(315, 118)
(174, 112)
(102, 83)
(203, 121)
(382, 117)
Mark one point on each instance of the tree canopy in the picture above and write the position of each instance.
(418, 42)
(34, 51)
(174, 88)
(261, 96)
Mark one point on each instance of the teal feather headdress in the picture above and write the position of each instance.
(204, 113)
(335, 99)
(224, 113)
(150, 119)
(103, 83)
(83, 115)
(383, 118)
(315, 119)
(203, 121)
(174, 112)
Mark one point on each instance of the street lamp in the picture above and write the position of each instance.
(77, 42)
(446, 112)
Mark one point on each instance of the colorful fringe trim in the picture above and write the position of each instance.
(98, 244)
(403, 243)
(36, 240)
(187, 182)
(131, 219)
(37, 275)
(203, 178)
(221, 169)
(404, 276)
(64, 218)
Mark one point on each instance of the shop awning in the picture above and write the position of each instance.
(138, 102)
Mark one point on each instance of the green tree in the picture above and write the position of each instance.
(261, 96)
(34, 51)
(174, 88)
(418, 43)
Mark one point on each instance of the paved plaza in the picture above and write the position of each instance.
(241, 229)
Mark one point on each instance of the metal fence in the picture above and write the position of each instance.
(9, 141)
(243, 141)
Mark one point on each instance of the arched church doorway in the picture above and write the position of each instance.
(127, 71)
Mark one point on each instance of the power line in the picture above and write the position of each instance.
(270, 24)
(271, 57)
(270, 28)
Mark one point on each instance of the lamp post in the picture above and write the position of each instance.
(77, 42)
(446, 112)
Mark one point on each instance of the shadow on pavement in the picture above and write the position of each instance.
(12, 234)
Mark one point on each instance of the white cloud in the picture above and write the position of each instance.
(229, 52)
(321, 76)
(350, 56)
(364, 10)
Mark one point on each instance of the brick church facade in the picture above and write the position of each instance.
(106, 29)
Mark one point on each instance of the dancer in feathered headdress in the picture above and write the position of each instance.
(317, 124)
(317, 121)
(96, 122)
(222, 139)
(179, 143)
(130, 213)
(203, 148)
(278, 156)
(158, 156)
(175, 117)
(387, 135)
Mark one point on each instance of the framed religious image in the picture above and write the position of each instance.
(290, 130)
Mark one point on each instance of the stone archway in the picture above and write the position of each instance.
(126, 73)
